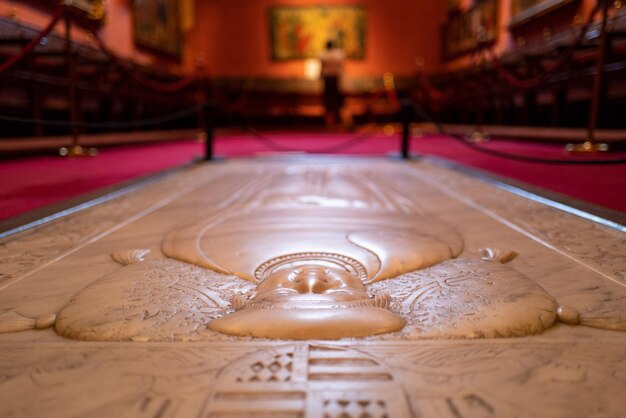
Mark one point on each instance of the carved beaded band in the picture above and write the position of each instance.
(348, 263)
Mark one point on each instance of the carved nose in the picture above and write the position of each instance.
(312, 282)
(318, 285)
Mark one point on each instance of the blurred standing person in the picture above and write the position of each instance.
(332, 59)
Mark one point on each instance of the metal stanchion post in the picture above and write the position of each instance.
(209, 125)
(406, 115)
(75, 149)
(590, 144)
(479, 134)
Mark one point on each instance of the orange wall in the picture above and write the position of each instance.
(117, 32)
(234, 37)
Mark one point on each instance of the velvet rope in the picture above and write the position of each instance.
(433, 92)
(389, 93)
(274, 145)
(122, 124)
(534, 82)
(420, 112)
(137, 76)
(392, 96)
(14, 59)
(241, 101)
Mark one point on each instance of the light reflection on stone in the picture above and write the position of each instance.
(310, 301)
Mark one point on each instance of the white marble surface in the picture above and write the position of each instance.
(563, 371)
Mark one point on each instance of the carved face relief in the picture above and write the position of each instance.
(305, 301)
(308, 284)
(311, 251)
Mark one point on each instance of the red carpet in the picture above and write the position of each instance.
(31, 183)
(35, 182)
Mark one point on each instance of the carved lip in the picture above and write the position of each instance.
(291, 296)
(306, 324)
(312, 304)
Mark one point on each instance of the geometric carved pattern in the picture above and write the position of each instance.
(543, 378)
(307, 381)
(357, 408)
(276, 369)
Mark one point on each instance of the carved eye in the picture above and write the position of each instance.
(293, 276)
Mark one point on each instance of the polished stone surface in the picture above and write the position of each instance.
(315, 287)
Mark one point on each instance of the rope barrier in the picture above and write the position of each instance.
(514, 157)
(276, 146)
(534, 82)
(241, 99)
(433, 92)
(389, 92)
(34, 42)
(351, 142)
(138, 77)
(141, 122)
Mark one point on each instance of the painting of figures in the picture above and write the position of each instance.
(302, 32)
(157, 25)
(465, 32)
(93, 10)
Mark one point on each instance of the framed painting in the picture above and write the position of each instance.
(525, 10)
(302, 32)
(465, 32)
(156, 25)
(91, 10)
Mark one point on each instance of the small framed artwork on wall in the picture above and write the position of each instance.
(465, 32)
(156, 25)
(89, 10)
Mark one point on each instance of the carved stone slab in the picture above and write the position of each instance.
(502, 378)
(489, 304)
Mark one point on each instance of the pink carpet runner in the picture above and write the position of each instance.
(35, 182)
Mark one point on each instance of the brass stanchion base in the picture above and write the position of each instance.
(389, 129)
(588, 146)
(478, 137)
(77, 151)
(417, 132)
(201, 137)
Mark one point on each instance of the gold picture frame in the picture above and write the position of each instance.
(300, 32)
(88, 10)
(156, 26)
(93, 9)
(465, 32)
